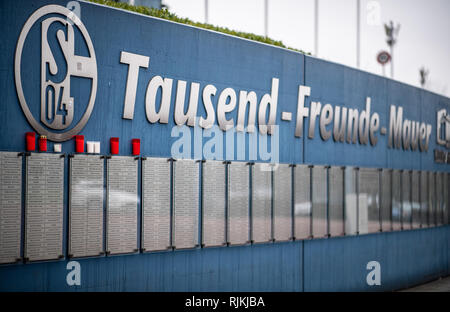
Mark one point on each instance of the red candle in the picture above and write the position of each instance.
(114, 142)
(42, 143)
(136, 146)
(30, 139)
(79, 143)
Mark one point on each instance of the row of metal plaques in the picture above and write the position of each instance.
(239, 203)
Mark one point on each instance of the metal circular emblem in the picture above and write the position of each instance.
(76, 66)
(383, 57)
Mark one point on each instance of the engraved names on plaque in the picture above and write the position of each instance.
(122, 175)
(319, 201)
(439, 199)
(238, 203)
(424, 199)
(386, 200)
(446, 193)
(406, 199)
(213, 203)
(261, 202)
(185, 203)
(396, 200)
(415, 198)
(10, 206)
(282, 199)
(336, 201)
(86, 206)
(431, 198)
(351, 216)
(156, 204)
(302, 201)
(368, 200)
(44, 206)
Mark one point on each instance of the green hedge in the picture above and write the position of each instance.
(165, 14)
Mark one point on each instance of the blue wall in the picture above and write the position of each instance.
(182, 52)
(195, 55)
(335, 264)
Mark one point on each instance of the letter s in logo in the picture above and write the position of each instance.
(57, 105)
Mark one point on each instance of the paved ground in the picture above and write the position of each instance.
(441, 285)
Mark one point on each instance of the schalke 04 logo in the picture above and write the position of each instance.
(57, 105)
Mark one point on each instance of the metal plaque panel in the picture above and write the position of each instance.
(386, 200)
(368, 200)
(155, 204)
(446, 187)
(122, 200)
(406, 200)
(282, 202)
(261, 203)
(319, 201)
(431, 199)
(44, 206)
(351, 205)
(415, 199)
(86, 206)
(10, 206)
(238, 226)
(439, 199)
(302, 202)
(396, 201)
(424, 209)
(185, 203)
(213, 209)
(336, 200)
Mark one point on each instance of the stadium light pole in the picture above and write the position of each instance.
(206, 11)
(266, 18)
(391, 34)
(423, 76)
(358, 31)
(316, 28)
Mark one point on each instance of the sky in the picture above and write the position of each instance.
(423, 38)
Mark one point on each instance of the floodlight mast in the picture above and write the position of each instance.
(392, 35)
(423, 76)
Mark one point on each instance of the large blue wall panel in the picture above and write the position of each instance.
(406, 259)
(270, 267)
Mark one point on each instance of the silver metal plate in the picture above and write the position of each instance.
(302, 202)
(44, 206)
(319, 201)
(406, 200)
(122, 200)
(238, 203)
(396, 201)
(213, 203)
(185, 203)
(439, 199)
(415, 199)
(261, 203)
(10, 206)
(155, 204)
(368, 201)
(336, 201)
(431, 199)
(424, 209)
(351, 216)
(446, 186)
(386, 200)
(282, 200)
(86, 206)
